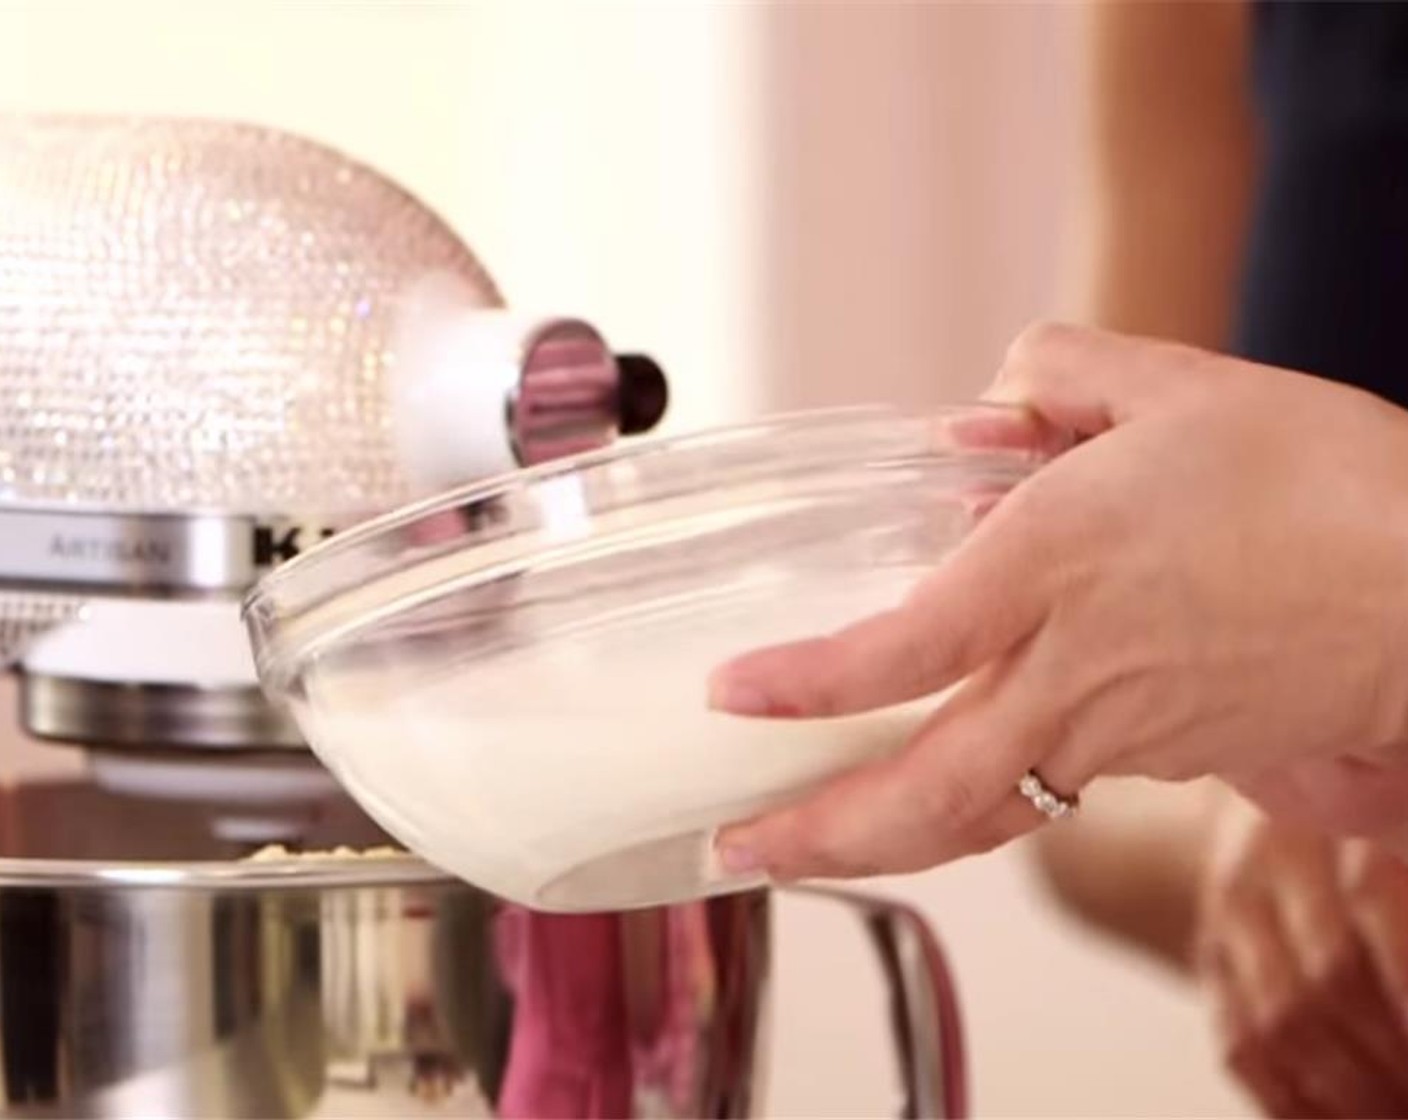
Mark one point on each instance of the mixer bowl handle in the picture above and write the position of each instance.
(924, 1011)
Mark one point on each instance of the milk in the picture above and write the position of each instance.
(586, 771)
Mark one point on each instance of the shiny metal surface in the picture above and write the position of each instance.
(102, 551)
(104, 714)
(198, 332)
(142, 987)
(197, 357)
(574, 395)
(924, 1011)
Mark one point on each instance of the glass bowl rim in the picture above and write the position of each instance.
(814, 441)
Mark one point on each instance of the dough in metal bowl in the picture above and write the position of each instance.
(271, 852)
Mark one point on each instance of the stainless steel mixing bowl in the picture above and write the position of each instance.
(133, 986)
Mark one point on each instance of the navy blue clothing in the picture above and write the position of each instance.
(1325, 284)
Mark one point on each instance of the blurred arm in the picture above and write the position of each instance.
(1166, 165)
(1130, 865)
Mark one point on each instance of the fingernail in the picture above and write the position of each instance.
(738, 859)
(980, 507)
(740, 698)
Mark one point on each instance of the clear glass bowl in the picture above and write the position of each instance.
(511, 678)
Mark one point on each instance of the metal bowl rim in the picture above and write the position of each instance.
(293, 874)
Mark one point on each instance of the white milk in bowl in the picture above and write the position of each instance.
(586, 772)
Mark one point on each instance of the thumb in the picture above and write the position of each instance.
(1090, 380)
(985, 598)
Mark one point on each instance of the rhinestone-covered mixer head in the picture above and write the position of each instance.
(194, 316)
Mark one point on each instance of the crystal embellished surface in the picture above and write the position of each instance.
(23, 617)
(196, 314)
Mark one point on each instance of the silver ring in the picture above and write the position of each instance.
(1048, 802)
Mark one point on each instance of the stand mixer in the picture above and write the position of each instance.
(205, 338)
(197, 365)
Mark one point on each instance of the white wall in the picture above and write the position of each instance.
(915, 165)
(596, 156)
(792, 204)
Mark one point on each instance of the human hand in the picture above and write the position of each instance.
(1214, 581)
(1302, 946)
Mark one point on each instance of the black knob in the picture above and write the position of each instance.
(643, 394)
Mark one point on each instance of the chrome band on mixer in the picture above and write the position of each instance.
(101, 713)
(116, 552)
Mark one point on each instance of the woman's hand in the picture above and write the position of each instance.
(1302, 944)
(1214, 581)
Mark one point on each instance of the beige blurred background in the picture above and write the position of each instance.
(791, 204)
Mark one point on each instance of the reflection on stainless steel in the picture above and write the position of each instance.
(566, 402)
(137, 987)
(924, 1012)
(108, 715)
(574, 395)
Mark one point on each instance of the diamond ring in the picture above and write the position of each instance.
(1048, 802)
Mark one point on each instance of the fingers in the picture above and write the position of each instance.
(983, 600)
(980, 603)
(1337, 974)
(951, 792)
(1285, 1027)
(1245, 1059)
(1377, 886)
(1305, 1022)
(1000, 428)
(1088, 380)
